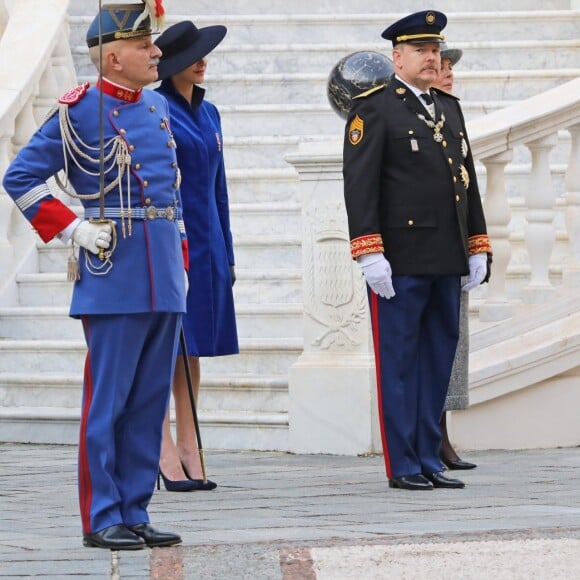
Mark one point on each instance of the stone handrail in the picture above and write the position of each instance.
(36, 66)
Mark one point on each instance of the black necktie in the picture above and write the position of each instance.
(427, 98)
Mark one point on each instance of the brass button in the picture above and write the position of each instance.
(152, 108)
(175, 185)
(148, 201)
(115, 113)
(174, 164)
(170, 144)
(131, 147)
(444, 143)
(145, 183)
(137, 166)
(410, 222)
(411, 132)
(163, 125)
(450, 161)
(454, 179)
(456, 198)
(123, 131)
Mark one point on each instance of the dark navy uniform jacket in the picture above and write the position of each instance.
(407, 194)
(147, 273)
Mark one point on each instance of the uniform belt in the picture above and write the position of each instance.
(137, 213)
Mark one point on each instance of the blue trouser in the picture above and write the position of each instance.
(415, 336)
(127, 383)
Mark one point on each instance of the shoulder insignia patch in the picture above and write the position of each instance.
(356, 130)
(73, 96)
(370, 92)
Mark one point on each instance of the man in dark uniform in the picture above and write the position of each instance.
(416, 225)
(131, 296)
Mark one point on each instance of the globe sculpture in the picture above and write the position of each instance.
(354, 74)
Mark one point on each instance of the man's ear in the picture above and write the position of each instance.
(112, 61)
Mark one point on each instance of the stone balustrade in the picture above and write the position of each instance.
(36, 67)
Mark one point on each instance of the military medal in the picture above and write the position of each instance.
(437, 135)
(464, 176)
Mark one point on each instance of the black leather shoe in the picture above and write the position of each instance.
(457, 463)
(117, 537)
(411, 482)
(439, 480)
(153, 538)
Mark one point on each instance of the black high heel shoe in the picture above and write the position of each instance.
(179, 485)
(200, 484)
(457, 463)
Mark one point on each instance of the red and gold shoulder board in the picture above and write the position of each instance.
(73, 96)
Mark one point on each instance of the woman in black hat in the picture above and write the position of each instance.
(458, 394)
(209, 324)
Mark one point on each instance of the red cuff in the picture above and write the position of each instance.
(370, 244)
(51, 218)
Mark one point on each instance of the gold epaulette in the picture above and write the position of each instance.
(441, 92)
(370, 92)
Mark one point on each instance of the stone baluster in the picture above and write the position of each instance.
(47, 94)
(63, 64)
(498, 215)
(4, 15)
(25, 125)
(571, 270)
(6, 207)
(540, 233)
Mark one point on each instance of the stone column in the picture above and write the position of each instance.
(498, 215)
(332, 386)
(540, 231)
(571, 269)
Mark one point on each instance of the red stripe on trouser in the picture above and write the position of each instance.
(374, 305)
(85, 488)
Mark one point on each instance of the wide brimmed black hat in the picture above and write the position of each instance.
(183, 44)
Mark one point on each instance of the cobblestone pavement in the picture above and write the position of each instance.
(304, 517)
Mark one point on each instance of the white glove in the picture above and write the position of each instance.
(477, 271)
(186, 282)
(378, 274)
(92, 236)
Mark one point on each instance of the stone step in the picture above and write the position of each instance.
(251, 252)
(266, 58)
(310, 88)
(54, 323)
(241, 430)
(271, 285)
(228, 393)
(270, 355)
(327, 7)
(264, 151)
(282, 120)
(272, 27)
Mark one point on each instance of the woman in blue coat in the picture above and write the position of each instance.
(209, 324)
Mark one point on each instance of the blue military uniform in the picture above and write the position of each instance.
(411, 194)
(130, 303)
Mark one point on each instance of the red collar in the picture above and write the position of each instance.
(120, 92)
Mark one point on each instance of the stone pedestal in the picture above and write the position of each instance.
(332, 386)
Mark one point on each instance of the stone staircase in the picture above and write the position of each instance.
(268, 78)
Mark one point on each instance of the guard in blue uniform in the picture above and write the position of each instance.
(130, 287)
(416, 225)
